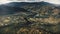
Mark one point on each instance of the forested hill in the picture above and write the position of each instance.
(35, 17)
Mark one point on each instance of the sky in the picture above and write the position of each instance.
(50, 1)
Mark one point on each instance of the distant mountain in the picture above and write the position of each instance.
(19, 4)
(22, 6)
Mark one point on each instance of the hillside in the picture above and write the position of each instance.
(28, 18)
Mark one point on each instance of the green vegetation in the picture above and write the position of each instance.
(40, 19)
